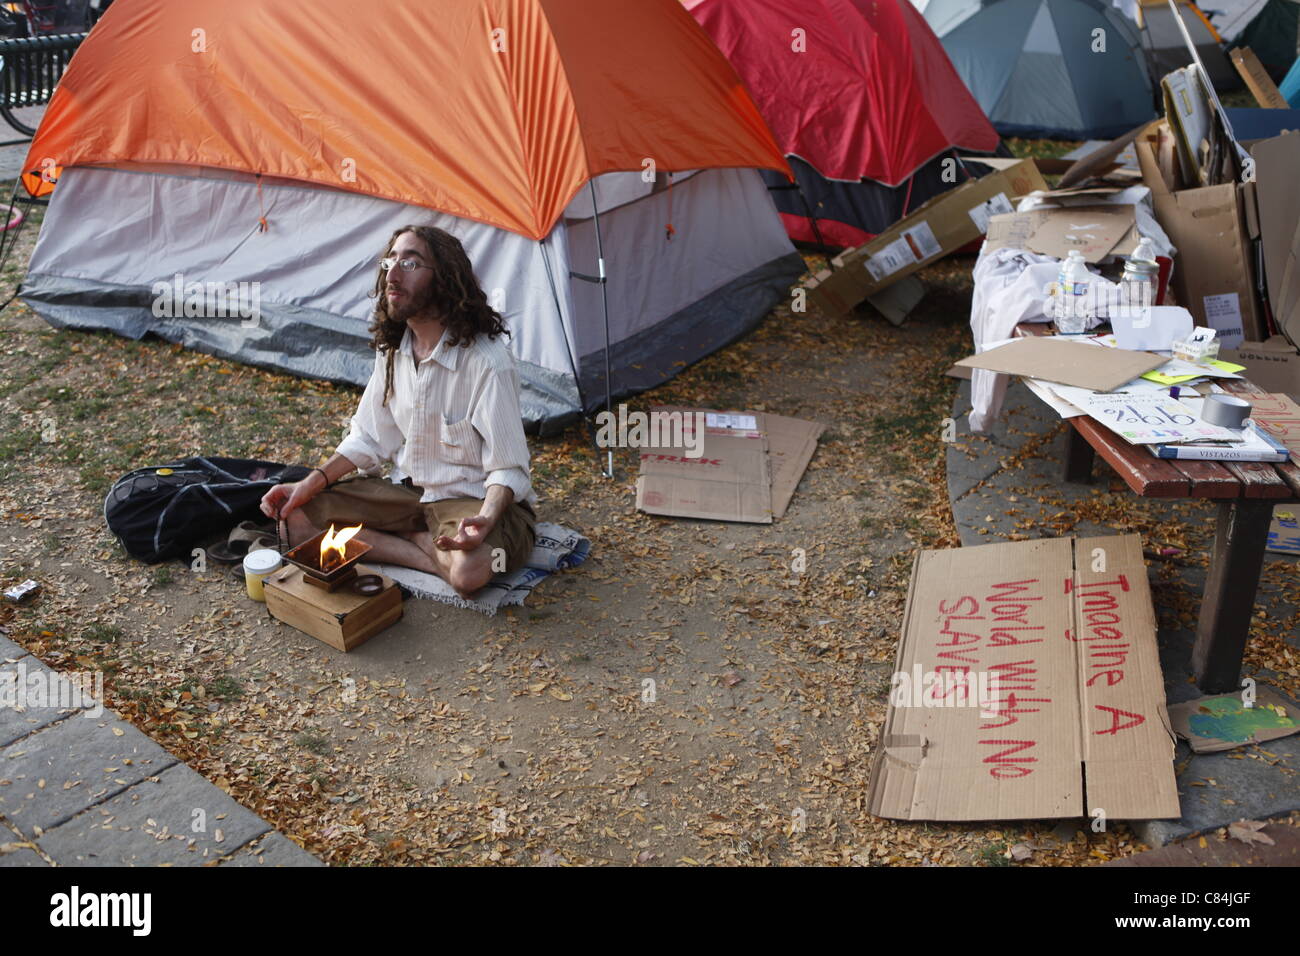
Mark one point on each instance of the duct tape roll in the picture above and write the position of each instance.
(1227, 411)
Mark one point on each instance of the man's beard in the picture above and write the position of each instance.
(408, 308)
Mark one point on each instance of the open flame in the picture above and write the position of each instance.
(334, 547)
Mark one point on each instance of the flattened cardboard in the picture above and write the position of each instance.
(1095, 231)
(1099, 160)
(729, 481)
(1273, 365)
(938, 227)
(791, 444)
(1067, 363)
(744, 474)
(1223, 722)
(1073, 716)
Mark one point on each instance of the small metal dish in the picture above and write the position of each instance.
(368, 585)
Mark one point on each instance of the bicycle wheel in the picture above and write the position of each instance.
(8, 116)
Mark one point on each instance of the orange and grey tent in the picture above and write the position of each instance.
(277, 143)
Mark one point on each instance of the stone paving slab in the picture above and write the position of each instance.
(24, 856)
(274, 849)
(83, 753)
(9, 651)
(153, 823)
(1285, 851)
(27, 690)
(1245, 786)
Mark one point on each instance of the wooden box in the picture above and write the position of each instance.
(342, 619)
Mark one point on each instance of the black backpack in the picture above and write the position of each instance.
(165, 511)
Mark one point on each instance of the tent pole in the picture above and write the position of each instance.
(812, 219)
(604, 299)
(569, 349)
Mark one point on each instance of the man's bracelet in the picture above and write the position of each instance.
(323, 475)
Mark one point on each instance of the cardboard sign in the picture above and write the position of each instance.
(1284, 530)
(1096, 231)
(1280, 417)
(938, 227)
(1224, 722)
(1067, 363)
(1046, 698)
(748, 469)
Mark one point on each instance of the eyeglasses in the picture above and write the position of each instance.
(406, 265)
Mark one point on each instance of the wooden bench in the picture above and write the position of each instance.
(1246, 493)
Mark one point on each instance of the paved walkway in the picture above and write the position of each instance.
(985, 473)
(81, 787)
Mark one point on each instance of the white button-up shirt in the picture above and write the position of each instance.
(452, 425)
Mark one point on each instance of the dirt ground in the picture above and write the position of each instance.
(532, 737)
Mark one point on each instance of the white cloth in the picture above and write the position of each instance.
(1011, 286)
(453, 426)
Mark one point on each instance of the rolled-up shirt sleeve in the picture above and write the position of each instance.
(497, 417)
(374, 436)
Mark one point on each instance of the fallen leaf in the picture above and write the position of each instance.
(1248, 832)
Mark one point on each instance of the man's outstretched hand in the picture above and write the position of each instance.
(282, 500)
(473, 531)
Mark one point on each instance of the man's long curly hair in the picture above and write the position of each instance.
(455, 296)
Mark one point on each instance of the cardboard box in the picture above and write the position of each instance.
(1047, 699)
(342, 619)
(941, 226)
(1273, 365)
(748, 469)
(1214, 275)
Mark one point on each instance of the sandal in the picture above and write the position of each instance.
(221, 554)
(247, 536)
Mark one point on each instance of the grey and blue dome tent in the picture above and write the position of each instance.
(1271, 28)
(1072, 69)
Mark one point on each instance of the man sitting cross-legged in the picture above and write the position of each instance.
(442, 405)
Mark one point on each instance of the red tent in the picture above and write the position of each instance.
(856, 89)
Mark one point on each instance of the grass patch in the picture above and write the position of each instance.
(994, 855)
(103, 634)
(162, 576)
(313, 742)
(226, 688)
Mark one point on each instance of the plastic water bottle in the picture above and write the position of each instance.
(1138, 283)
(1072, 285)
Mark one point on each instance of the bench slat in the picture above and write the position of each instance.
(1209, 479)
(1146, 474)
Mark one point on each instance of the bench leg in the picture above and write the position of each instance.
(1079, 456)
(1230, 588)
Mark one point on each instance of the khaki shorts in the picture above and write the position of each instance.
(382, 505)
